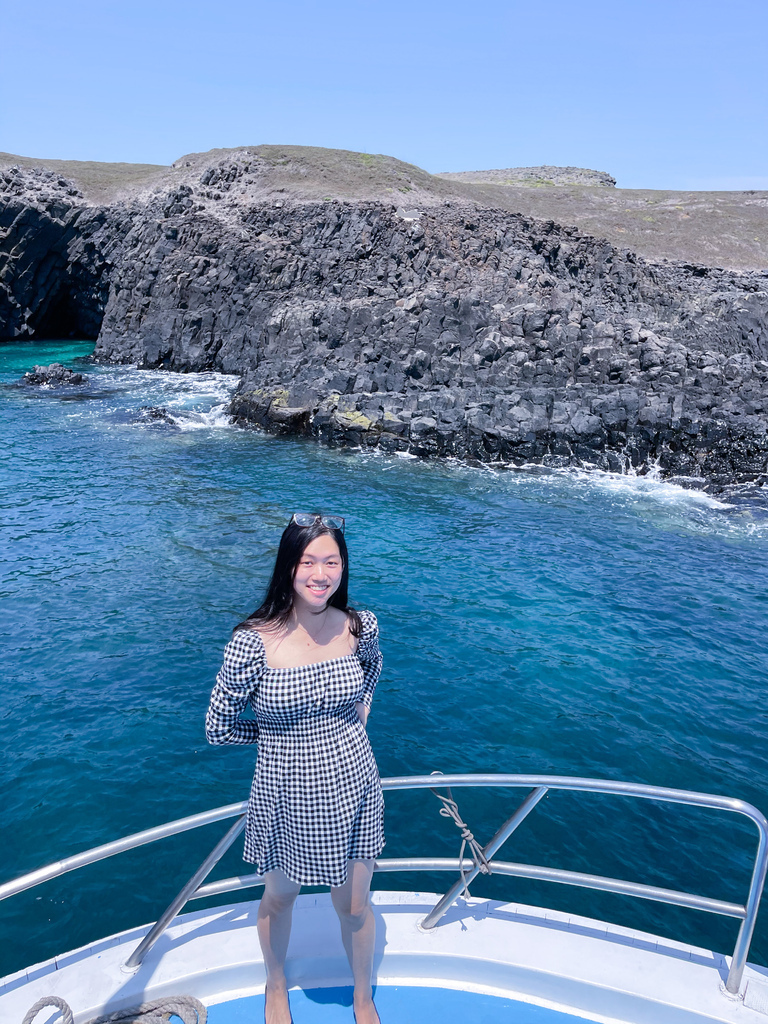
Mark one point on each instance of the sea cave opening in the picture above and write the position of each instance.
(66, 316)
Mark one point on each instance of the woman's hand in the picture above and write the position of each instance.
(362, 712)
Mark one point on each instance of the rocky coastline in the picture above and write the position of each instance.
(412, 318)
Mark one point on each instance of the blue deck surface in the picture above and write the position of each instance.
(396, 1005)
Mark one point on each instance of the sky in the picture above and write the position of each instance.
(663, 94)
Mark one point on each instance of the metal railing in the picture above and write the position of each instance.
(539, 785)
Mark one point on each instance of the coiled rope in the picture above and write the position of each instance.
(159, 1011)
(61, 1004)
(450, 809)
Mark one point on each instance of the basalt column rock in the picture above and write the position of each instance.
(611, 428)
(470, 333)
(54, 276)
(316, 292)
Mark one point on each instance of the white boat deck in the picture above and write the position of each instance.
(556, 962)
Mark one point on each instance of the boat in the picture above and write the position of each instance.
(451, 954)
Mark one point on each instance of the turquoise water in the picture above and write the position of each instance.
(404, 1004)
(575, 623)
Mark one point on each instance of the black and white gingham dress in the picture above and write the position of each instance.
(316, 799)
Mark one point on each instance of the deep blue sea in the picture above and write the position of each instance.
(559, 622)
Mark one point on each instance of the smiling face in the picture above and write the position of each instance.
(318, 573)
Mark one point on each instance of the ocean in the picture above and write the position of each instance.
(564, 622)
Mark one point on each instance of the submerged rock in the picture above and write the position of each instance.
(54, 374)
(155, 414)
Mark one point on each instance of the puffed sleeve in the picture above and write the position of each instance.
(369, 656)
(237, 681)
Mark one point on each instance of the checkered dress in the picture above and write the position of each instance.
(316, 799)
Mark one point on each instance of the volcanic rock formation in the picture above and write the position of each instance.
(366, 302)
(53, 375)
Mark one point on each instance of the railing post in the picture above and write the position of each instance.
(744, 938)
(134, 960)
(495, 844)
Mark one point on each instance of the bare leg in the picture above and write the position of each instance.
(358, 933)
(274, 927)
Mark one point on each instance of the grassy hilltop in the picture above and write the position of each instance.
(722, 229)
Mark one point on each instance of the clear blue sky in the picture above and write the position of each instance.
(661, 93)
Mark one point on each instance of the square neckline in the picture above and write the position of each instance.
(292, 668)
(307, 664)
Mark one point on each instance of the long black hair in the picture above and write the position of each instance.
(275, 610)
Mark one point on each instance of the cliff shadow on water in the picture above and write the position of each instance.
(366, 302)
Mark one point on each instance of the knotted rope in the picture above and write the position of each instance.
(159, 1011)
(450, 809)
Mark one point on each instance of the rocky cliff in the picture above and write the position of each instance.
(369, 303)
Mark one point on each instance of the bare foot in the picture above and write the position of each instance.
(276, 1008)
(365, 1011)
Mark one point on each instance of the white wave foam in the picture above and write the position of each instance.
(678, 505)
(629, 484)
(216, 417)
(167, 388)
(665, 504)
(191, 401)
(649, 485)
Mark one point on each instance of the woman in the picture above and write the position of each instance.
(308, 664)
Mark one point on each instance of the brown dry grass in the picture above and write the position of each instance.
(99, 182)
(726, 229)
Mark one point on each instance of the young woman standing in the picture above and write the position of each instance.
(308, 664)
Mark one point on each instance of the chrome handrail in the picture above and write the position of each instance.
(150, 835)
(502, 867)
(539, 785)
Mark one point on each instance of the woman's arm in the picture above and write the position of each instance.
(237, 681)
(369, 656)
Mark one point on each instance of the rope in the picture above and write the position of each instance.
(450, 809)
(60, 1004)
(159, 1011)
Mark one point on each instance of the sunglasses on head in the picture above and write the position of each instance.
(310, 518)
